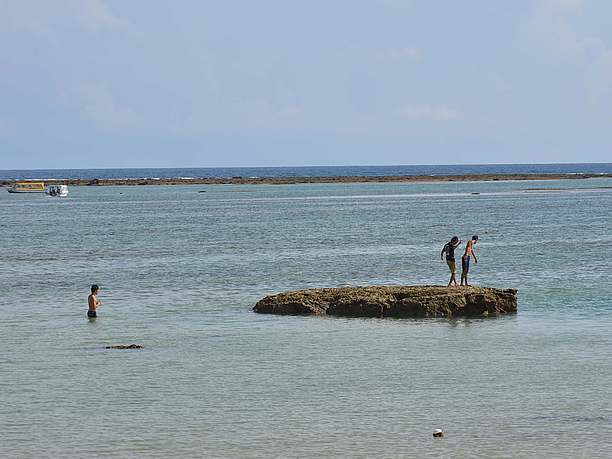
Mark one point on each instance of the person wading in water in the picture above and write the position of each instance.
(93, 302)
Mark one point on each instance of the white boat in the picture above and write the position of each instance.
(57, 190)
(27, 187)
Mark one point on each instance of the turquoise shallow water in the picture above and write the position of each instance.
(180, 271)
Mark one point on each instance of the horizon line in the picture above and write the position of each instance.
(307, 166)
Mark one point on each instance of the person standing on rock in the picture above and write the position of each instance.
(449, 251)
(465, 260)
(93, 302)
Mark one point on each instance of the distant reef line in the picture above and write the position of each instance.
(316, 179)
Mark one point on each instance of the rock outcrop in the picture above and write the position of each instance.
(125, 346)
(393, 301)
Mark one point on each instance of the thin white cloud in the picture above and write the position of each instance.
(406, 53)
(562, 6)
(549, 29)
(7, 127)
(97, 104)
(50, 21)
(95, 15)
(291, 111)
(552, 34)
(430, 113)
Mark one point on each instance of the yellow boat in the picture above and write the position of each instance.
(27, 187)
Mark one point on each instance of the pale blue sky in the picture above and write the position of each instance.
(146, 83)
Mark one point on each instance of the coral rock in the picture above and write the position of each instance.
(392, 301)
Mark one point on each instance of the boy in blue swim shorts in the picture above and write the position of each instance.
(465, 260)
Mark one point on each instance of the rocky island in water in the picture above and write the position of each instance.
(393, 301)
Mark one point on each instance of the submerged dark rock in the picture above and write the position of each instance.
(392, 301)
(125, 346)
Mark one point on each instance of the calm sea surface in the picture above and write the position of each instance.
(180, 271)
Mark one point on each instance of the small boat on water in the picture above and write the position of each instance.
(27, 187)
(57, 190)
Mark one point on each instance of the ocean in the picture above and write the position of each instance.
(180, 268)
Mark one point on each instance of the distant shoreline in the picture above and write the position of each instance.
(316, 179)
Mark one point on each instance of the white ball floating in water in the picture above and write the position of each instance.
(438, 433)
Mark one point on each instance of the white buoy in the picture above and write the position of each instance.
(438, 433)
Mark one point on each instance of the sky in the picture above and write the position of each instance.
(198, 83)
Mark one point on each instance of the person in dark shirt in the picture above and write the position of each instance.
(449, 251)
